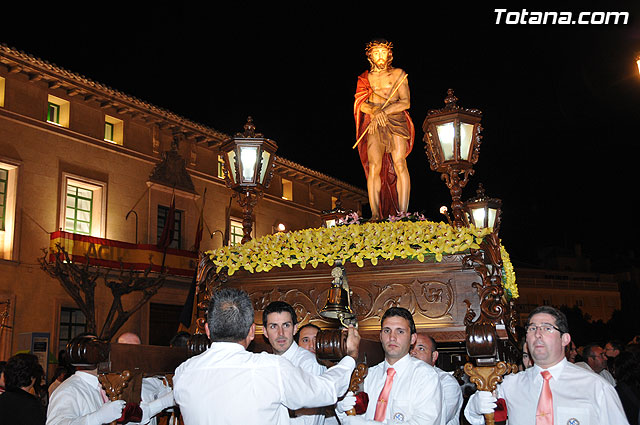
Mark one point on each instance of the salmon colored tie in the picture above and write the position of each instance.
(544, 412)
(381, 407)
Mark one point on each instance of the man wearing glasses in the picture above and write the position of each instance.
(553, 391)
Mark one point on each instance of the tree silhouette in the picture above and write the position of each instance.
(79, 281)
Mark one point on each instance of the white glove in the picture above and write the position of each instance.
(482, 402)
(109, 412)
(346, 403)
(163, 401)
(357, 420)
(149, 410)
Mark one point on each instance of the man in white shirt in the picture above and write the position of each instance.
(425, 350)
(229, 385)
(280, 325)
(553, 389)
(402, 389)
(596, 361)
(80, 399)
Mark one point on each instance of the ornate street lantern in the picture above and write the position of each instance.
(484, 212)
(452, 137)
(249, 158)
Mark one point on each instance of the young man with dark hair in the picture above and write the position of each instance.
(401, 389)
(229, 385)
(552, 391)
(280, 324)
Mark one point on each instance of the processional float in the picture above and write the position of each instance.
(456, 278)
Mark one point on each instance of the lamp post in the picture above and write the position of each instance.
(248, 170)
(484, 212)
(452, 138)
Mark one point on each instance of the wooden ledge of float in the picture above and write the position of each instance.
(435, 292)
(152, 359)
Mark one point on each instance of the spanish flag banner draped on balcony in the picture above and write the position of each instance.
(116, 254)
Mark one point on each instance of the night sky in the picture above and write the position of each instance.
(560, 103)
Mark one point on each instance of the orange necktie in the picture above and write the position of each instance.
(544, 412)
(381, 406)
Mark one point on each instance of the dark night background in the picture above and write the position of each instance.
(561, 103)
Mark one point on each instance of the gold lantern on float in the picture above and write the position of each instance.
(452, 143)
(484, 212)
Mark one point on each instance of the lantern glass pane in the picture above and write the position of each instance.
(263, 166)
(232, 165)
(478, 217)
(466, 134)
(248, 160)
(492, 218)
(446, 134)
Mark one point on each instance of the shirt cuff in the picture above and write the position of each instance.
(348, 361)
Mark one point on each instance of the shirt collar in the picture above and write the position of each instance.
(400, 365)
(226, 346)
(88, 378)
(554, 370)
(290, 353)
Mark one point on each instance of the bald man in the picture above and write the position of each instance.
(425, 350)
(129, 338)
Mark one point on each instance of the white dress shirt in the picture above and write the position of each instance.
(415, 397)
(452, 397)
(74, 399)
(579, 397)
(307, 361)
(230, 385)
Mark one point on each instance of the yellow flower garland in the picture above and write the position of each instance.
(508, 274)
(356, 243)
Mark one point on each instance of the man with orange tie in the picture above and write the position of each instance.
(553, 391)
(402, 389)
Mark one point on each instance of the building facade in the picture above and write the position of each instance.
(81, 157)
(595, 294)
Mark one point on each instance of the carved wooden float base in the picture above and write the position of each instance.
(433, 292)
